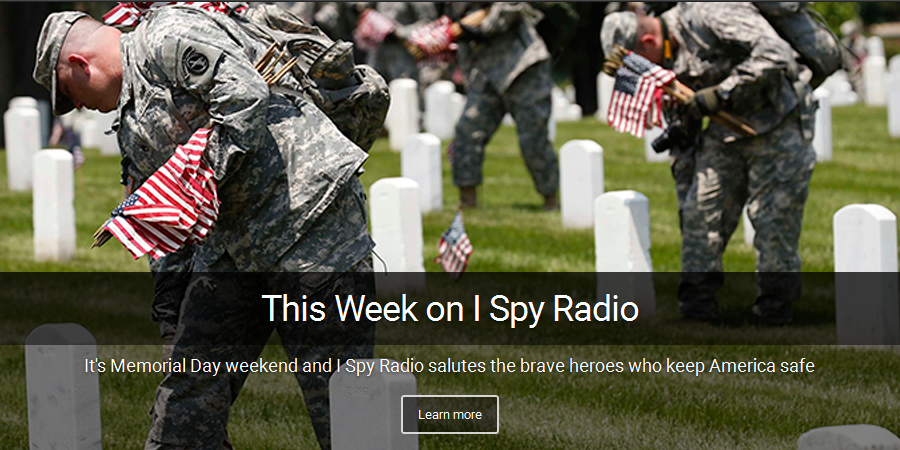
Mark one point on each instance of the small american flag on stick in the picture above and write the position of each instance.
(637, 96)
(372, 29)
(178, 204)
(129, 14)
(455, 249)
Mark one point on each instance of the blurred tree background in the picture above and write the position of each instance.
(836, 13)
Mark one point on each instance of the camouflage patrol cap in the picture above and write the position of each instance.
(53, 35)
(618, 29)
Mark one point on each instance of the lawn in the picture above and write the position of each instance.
(511, 234)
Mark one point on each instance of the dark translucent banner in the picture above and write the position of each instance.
(433, 309)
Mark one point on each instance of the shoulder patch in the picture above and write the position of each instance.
(197, 63)
(194, 62)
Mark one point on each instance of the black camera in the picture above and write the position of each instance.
(677, 135)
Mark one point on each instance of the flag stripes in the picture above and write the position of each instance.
(129, 14)
(177, 205)
(636, 103)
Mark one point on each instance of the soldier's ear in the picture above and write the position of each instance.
(78, 61)
(647, 40)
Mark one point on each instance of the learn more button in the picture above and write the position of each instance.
(450, 414)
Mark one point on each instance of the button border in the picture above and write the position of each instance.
(402, 398)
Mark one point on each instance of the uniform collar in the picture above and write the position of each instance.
(668, 55)
(671, 22)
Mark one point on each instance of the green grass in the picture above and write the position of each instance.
(511, 234)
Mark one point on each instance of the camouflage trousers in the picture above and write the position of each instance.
(528, 100)
(224, 319)
(770, 174)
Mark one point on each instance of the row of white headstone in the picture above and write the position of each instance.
(64, 399)
(26, 129)
(443, 108)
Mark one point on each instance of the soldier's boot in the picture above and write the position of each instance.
(468, 197)
(551, 203)
(777, 292)
(697, 295)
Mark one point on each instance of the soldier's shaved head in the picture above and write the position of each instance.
(90, 65)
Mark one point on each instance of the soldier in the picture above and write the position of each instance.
(507, 68)
(287, 178)
(736, 62)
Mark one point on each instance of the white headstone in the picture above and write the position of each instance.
(439, 119)
(397, 232)
(63, 397)
(106, 143)
(560, 104)
(873, 78)
(574, 113)
(841, 90)
(622, 245)
(23, 102)
(865, 259)
(22, 128)
(849, 437)
(458, 106)
(823, 141)
(581, 182)
(421, 161)
(875, 46)
(53, 206)
(651, 155)
(89, 130)
(894, 101)
(571, 93)
(404, 112)
(749, 231)
(508, 120)
(365, 410)
(605, 86)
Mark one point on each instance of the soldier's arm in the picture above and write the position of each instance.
(745, 31)
(198, 56)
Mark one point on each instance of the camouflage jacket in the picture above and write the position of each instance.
(733, 46)
(279, 161)
(510, 44)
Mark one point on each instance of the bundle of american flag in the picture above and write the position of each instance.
(372, 29)
(455, 249)
(177, 205)
(637, 95)
(636, 102)
(129, 14)
(436, 41)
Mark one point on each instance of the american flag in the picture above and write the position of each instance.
(178, 204)
(455, 249)
(372, 29)
(637, 97)
(129, 14)
(435, 38)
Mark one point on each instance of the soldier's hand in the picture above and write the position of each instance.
(706, 102)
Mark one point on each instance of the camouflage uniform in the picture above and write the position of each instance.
(731, 45)
(507, 70)
(291, 202)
